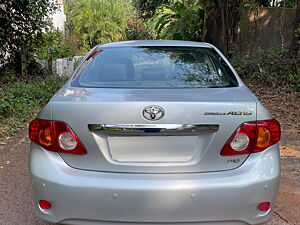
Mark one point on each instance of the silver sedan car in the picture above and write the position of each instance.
(155, 132)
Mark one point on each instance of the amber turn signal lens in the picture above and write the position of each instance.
(45, 137)
(263, 137)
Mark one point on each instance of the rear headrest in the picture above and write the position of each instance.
(153, 74)
(113, 72)
(117, 69)
(187, 57)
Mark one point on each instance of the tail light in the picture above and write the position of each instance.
(55, 136)
(252, 137)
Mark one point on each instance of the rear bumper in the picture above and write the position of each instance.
(88, 197)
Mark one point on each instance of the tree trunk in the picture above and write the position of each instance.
(214, 26)
(221, 23)
(296, 39)
(49, 63)
(232, 18)
(23, 60)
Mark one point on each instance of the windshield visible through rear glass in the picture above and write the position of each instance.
(154, 67)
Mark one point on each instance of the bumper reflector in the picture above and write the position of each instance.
(264, 206)
(45, 204)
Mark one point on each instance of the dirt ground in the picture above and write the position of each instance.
(16, 205)
(285, 107)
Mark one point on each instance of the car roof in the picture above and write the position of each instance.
(156, 43)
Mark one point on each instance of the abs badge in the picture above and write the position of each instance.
(153, 112)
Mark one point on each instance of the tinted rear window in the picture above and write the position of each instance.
(155, 67)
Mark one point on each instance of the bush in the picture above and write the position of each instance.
(20, 100)
(52, 46)
(138, 29)
(180, 20)
(272, 67)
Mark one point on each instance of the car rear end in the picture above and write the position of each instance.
(155, 132)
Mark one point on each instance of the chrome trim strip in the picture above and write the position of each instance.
(153, 129)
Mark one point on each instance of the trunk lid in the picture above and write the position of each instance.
(188, 138)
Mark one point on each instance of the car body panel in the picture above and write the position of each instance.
(219, 197)
(125, 106)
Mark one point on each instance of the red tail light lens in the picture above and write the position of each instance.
(248, 130)
(55, 136)
(252, 137)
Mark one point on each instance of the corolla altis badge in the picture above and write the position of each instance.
(153, 112)
(232, 113)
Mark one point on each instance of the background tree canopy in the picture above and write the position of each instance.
(22, 22)
(180, 20)
(93, 22)
(25, 36)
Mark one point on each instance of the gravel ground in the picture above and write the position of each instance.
(284, 105)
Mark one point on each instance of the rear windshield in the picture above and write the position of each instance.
(154, 67)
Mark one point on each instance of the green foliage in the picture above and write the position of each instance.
(94, 22)
(271, 67)
(20, 100)
(287, 3)
(21, 24)
(297, 32)
(8, 76)
(147, 8)
(10, 73)
(138, 30)
(180, 20)
(52, 46)
(78, 60)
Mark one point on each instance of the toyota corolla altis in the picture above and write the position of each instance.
(155, 132)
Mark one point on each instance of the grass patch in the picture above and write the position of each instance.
(20, 100)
